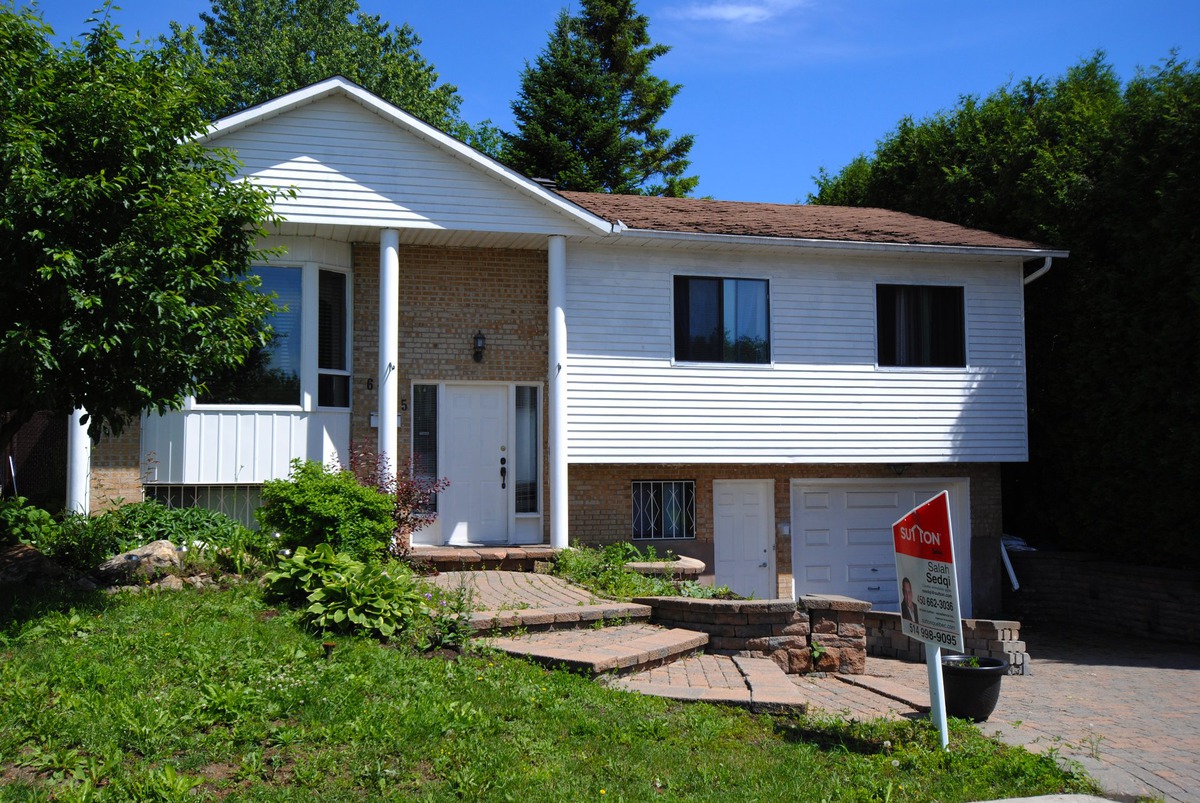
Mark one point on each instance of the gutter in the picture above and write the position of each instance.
(1040, 272)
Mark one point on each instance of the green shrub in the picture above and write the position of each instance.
(82, 542)
(319, 505)
(602, 570)
(340, 594)
(24, 523)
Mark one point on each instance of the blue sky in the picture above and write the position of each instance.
(773, 89)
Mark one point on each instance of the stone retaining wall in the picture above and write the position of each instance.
(993, 638)
(1092, 594)
(779, 629)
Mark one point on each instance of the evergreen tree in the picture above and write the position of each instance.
(589, 108)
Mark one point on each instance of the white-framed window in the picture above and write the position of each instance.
(271, 374)
(722, 320)
(920, 326)
(664, 509)
(333, 339)
(275, 375)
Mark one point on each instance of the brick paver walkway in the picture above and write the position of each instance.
(1128, 711)
(496, 590)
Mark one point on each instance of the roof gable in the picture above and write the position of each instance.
(353, 159)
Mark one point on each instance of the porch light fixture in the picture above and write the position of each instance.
(480, 341)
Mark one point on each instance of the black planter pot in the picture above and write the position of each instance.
(972, 691)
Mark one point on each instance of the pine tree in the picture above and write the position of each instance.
(589, 108)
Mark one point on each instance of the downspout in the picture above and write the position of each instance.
(1040, 272)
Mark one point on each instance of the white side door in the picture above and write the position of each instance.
(743, 523)
(474, 431)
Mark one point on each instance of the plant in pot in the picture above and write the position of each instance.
(972, 685)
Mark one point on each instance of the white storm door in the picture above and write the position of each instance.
(743, 523)
(474, 508)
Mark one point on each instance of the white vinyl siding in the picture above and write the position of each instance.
(351, 167)
(823, 400)
(214, 447)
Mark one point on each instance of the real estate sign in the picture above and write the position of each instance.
(925, 572)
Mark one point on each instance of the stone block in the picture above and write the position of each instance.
(752, 631)
(782, 659)
(799, 662)
(851, 629)
(823, 622)
(796, 629)
(828, 661)
(852, 662)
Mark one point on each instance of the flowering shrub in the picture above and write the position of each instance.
(412, 497)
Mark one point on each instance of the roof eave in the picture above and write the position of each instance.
(839, 245)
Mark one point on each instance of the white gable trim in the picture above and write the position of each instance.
(412, 125)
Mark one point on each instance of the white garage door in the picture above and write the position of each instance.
(842, 535)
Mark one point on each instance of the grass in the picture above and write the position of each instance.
(216, 695)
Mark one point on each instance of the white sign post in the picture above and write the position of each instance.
(929, 611)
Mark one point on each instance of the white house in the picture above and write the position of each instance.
(765, 387)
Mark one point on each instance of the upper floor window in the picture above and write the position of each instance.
(270, 374)
(273, 374)
(920, 326)
(722, 320)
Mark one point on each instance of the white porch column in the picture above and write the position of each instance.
(558, 390)
(79, 464)
(389, 344)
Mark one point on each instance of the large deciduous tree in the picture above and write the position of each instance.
(1111, 172)
(124, 244)
(589, 109)
(261, 49)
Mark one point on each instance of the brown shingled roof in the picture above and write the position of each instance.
(700, 216)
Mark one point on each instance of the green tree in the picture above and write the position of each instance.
(589, 109)
(124, 244)
(1111, 172)
(261, 49)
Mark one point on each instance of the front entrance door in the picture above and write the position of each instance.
(474, 509)
(743, 523)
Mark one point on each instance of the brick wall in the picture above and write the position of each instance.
(117, 468)
(1094, 594)
(446, 296)
(602, 505)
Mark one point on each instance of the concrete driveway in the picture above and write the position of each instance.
(1128, 710)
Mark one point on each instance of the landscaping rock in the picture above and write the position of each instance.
(145, 563)
(21, 563)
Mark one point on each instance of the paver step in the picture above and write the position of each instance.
(561, 617)
(755, 683)
(617, 649)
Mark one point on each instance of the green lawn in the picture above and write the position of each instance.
(217, 695)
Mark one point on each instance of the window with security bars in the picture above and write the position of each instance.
(664, 509)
